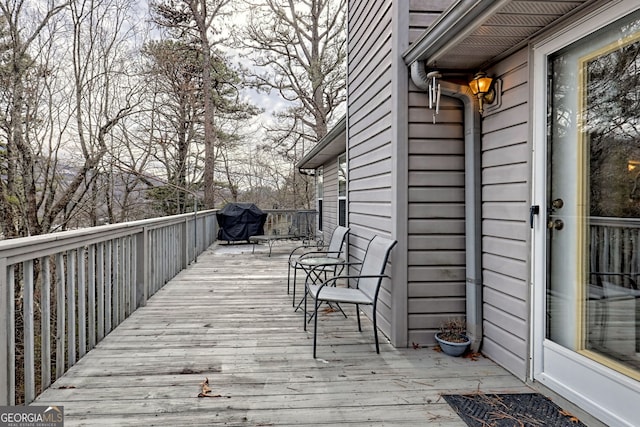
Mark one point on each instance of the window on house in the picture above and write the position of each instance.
(319, 194)
(342, 190)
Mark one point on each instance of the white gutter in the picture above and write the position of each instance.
(472, 197)
(452, 26)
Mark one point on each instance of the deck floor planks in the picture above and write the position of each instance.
(228, 318)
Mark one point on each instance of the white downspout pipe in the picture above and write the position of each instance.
(472, 197)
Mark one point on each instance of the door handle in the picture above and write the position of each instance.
(556, 224)
(557, 203)
(533, 210)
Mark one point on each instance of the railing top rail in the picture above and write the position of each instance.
(23, 248)
(615, 221)
(289, 210)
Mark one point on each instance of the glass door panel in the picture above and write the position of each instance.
(593, 218)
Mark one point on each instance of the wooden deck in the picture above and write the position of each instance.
(228, 318)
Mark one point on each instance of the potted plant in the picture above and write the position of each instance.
(452, 338)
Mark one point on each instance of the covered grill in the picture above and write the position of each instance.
(239, 221)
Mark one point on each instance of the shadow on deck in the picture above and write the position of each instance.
(228, 318)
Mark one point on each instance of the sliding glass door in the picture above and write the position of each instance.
(588, 307)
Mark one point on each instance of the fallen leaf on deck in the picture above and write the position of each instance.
(209, 395)
(437, 348)
(569, 415)
(205, 386)
(415, 345)
(205, 389)
(472, 356)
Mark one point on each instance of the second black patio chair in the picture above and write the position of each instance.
(365, 291)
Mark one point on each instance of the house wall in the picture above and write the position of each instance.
(436, 232)
(436, 217)
(436, 251)
(330, 198)
(436, 244)
(434, 256)
(384, 179)
(434, 187)
(506, 187)
(370, 132)
(423, 13)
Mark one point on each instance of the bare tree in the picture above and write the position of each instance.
(71, 87)
(174, 72)
(19, 207)
(107, 93)
(298, 48)
(194, 19)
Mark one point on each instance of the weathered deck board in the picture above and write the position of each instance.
(228, 318)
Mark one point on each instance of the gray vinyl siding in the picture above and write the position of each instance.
(436, 249)
(436, 244)
(369, 125)
(506, 156)
(330, 199)
(423, 13)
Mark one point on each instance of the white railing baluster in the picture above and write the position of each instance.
(108, 285)
(61, 315)
(100, 290)
(82, 305)
(123, 278)
(122, 243)
(127, 278)
(5, 315)
(11, 369)
(152, 263)
(12, 336)
(71, 308)
(91, 296)
(164, 254)
(133, 287)
(45, 323)
(115, 284)
(28, 332)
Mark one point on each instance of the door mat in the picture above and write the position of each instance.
(507, 410)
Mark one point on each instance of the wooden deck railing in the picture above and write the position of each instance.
(288, 221)
(615, 246)
(61, 293)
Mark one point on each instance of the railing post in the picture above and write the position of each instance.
(45, 323)
(71, 307)
(28, 332)
(61, 315)
(142, 267)
(133, 276)
(115, 283)
(195, 229)
(81, 292)
(91, 296)
(100, 296)
(6, 330)
(185, 242)
(108, 286)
